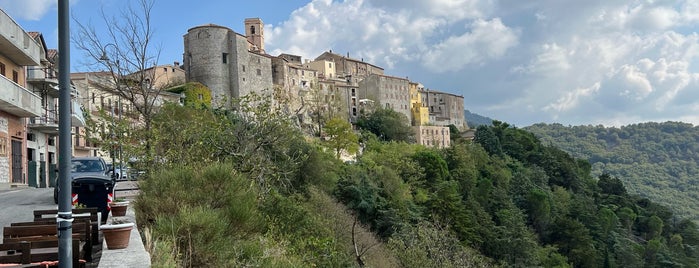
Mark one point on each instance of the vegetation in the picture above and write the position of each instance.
(248, 190)
(474, 120)
(659, 161)
(387, 125)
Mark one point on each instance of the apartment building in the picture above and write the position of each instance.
(42, 131)
(17, 103)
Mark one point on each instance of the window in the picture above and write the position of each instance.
(224, 58)
(93, 97)
(259, 72)
(2, 69)
(52, 141)
(31, 136)
(243, 68)
(354, 111)
(353, 92)
(15, 76)
(165, 69)
(252, 29)
(330, 65)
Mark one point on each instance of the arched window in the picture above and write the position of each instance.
(252, 29)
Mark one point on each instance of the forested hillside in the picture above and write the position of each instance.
(246, 189)
(474, 120)
(659, 161)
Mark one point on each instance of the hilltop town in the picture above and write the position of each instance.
(229, 65)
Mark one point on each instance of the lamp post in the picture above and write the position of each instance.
(115, 156)
(64, 220)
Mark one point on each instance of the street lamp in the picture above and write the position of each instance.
(114, 154)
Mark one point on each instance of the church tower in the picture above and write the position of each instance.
(254, 32)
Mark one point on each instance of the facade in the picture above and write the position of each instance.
(349, 67)
(18, 50)
(433, 136)
(445, 109)
(227, 62)
(293, 83)
(42, 131)
(387, 92)
(163, 76)
(420, 113)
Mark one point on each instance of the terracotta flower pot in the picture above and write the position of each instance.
(118, 208)
(117, 236)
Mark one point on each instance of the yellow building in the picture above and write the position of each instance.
(420, 114)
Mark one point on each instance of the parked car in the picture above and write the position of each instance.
(117, 173)
(94, 167)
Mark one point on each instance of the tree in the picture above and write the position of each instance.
(126, 52)
(387, 124)
(341, 137)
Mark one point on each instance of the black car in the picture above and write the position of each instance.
(86, 167)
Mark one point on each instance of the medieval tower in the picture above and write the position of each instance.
(228, 63)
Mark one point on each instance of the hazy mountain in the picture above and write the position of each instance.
(474, 120)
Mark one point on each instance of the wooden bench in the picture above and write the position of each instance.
(30, 232)
(51, 213)
(35, 254)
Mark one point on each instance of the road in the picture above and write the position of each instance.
(17, 205)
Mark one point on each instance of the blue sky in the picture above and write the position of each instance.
(567, 61)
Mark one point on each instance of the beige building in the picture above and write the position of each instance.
(346, 67)
(433, 136)
(163, 76)
(18, 50)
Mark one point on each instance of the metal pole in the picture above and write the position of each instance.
(64, 221)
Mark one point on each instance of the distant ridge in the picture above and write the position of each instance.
(474, 120)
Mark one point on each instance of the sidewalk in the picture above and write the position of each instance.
(134, 255)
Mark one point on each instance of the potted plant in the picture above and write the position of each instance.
(117, 233)
(118, 207)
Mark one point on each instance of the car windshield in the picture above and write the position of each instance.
(87, 165)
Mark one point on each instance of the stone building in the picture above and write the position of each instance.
(163, 76)
(348, 67)
(230, 64)
(387, 92)
(445, 108)
(293, 83)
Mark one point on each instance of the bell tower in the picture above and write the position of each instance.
(254, 32)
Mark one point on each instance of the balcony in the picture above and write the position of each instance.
(17, 100)
(77, 119)
(16, 44)
(46, 123)
(45, 79)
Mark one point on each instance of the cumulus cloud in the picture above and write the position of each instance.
(486, 40)
(28, 9)
(524, 62)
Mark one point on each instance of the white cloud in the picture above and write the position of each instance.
(487, 40)
(27, 9)
(571, 99)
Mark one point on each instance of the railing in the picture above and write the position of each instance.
(41, 73)
(48, 118)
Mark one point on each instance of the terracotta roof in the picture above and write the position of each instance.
(51, 53)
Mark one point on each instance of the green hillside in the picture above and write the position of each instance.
(474, 120)
(247, 189)
(659, 161)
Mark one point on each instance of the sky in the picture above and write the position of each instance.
(574, 62)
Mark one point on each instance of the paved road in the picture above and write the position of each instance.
(17, 205)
